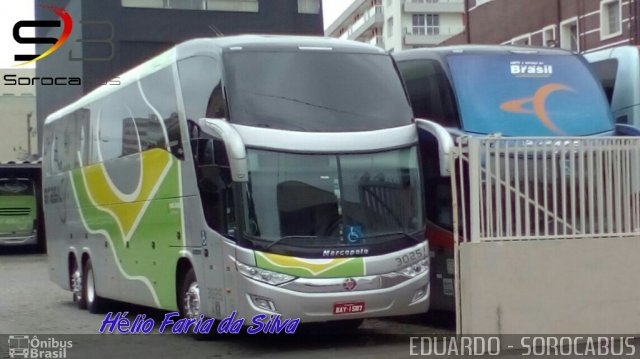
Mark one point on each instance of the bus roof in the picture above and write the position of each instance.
(439, 52)
(202, 46)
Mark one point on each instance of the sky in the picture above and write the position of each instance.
(332, 9)
(14, 11)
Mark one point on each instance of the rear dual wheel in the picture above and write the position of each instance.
(83, 285)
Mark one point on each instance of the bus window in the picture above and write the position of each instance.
(201, 88)
(159, 91)
(606, 71)
(528, 95)
(314, 91)
(214, 182)
(319, 200)
(429, 91)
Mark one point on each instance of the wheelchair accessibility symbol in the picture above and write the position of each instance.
(353, 234)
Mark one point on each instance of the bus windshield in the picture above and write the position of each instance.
(317, 91)
(15, 187)
(528, 95)
(332, 200)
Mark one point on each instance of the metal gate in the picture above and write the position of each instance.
(522, 204)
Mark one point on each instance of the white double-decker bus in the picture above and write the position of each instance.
(256, 174)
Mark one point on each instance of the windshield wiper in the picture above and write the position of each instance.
(398, 233)
(288, 237)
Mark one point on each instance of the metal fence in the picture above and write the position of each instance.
(508, 189)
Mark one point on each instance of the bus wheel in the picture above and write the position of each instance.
(190, 296)
(94, 303)
(76, 286)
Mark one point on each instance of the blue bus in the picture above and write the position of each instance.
(488, 90)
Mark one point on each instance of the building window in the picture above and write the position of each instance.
(426, 24)
(214, 5)
(309, 6)
(185, 4)
(569, 35)
(549, 36)
(610, 18)
(390, 27)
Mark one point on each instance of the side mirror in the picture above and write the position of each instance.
(194, 129)
(445, 143)
(233, 143)
(627, 130)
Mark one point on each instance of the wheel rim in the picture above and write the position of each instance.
(76, 284)
(90, 288)
(192, 301)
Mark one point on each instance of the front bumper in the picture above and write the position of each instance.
(318, 307)
(18, 239)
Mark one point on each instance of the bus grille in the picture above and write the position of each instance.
(22, 211)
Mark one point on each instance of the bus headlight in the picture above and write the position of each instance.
(263, 275)
(415, 269)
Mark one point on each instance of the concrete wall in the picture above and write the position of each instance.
(587, 286)
(16, 103)
(14, 137)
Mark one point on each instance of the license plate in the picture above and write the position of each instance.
(346, 308)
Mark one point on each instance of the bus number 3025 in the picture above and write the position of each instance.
(410, 257)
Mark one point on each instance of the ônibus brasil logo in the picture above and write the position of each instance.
(25, 346)
(67, 26)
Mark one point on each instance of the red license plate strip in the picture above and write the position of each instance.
(347, 308)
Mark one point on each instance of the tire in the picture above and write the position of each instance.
(41, 243)
(189, 300)
(94, 303)
(75, 281)
(189, 304)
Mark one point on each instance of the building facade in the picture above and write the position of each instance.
(110, 37)
(399, 24)
(576, 25)
(18, 138)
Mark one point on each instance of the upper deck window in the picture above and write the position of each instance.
(215, 5)
(315, 91)
(528, 95)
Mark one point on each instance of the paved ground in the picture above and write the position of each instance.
(31, 304)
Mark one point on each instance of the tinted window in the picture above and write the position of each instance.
(606, 71)
(201, 88)
(429, 91)
(332, 199)
(139, 117)
(160, 96)
(214, 182)
(528, 95)
(315, 91)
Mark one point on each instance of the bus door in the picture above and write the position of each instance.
(217, 232)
